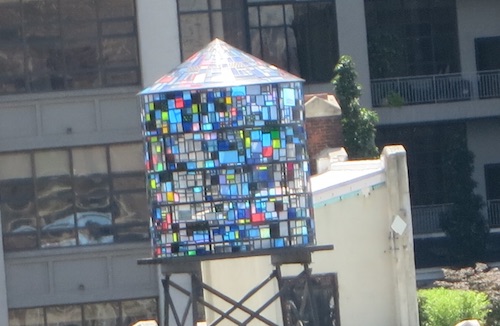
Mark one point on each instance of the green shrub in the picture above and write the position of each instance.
(480, 278)
(447, 307)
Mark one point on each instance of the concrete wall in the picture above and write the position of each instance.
(475, 19)
(69, 119)
(63, 276)
(352, 41)
(158, 38)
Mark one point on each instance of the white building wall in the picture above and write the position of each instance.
(375, 266)
(352, 41)
(69, 119)
(361, 257)
(158, 38)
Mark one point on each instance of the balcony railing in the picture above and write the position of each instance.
(435, 88)
(494, 213)
(426, 218)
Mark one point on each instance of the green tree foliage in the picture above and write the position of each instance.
(464, 224)
(447, 307)
(358, 123)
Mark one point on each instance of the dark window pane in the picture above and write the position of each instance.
(40, 49)
(136, 310)
(122, 77)
(406, 37)
(487, 53)
(18, 215)
(75, 10)
(118, 28)
(119, 51)
(131, 208)
(26, 317)
(64, 315)
(116, 8)
(192, 5)
(94, 228)
(106, 313)
(274, 47)
(492, 177)
(195, 33)
(300, 38)
(129, 182)
(131, 218)
(315, 30)
(58, 238)
(92, 193)
(10, 22)
(80, 30)
(271, 16)
(77, 206)
(21, 241)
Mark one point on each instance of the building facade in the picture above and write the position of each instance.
(71, 166)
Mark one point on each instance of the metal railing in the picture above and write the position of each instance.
(426, 218)
(494, 213)
(435, 88)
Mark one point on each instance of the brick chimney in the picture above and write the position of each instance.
(323, 126)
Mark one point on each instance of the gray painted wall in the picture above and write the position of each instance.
(69, 275)
(69, 119)
(4, 318)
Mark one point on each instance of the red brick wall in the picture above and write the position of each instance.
(323, 133)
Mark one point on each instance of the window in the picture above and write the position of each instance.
(50, 45)
(427, 147)
(114, 313)
(73, 196)
(411, 37)
(298, 36)
(492, 178)
(487, 54)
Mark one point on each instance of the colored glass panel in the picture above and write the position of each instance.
(226, 166)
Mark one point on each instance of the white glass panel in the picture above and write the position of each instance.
(89, 161)
(127, 158)
(51, 163)
(14, 166)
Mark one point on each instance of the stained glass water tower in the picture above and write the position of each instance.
(227, 171)
(226, 157)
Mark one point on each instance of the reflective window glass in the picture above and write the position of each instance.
(70, 315)
(73, 200)
(102, 314)
(26, 317)
(60, 45)
(136, 310)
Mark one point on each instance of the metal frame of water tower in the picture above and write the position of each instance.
(192, 267)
